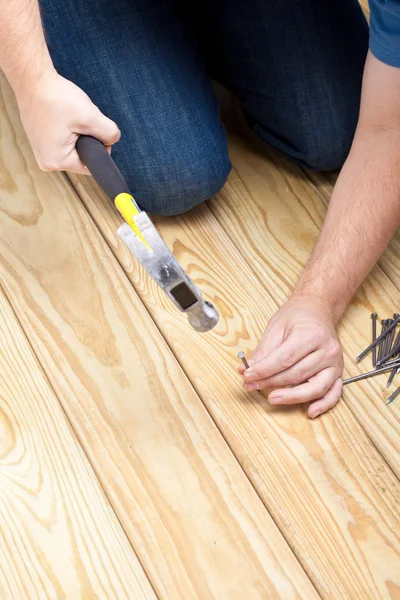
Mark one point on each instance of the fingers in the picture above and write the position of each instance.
(55, 117)
(291, 351)
(313, 389)
(302, 371)
(71, 163)
(299, 357)
(325, 388)
(327, 402)
(268, 342)
(100, 127)
(64, 157)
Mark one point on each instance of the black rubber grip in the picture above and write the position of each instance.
(95, 157)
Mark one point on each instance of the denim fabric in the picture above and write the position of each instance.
(295, 66)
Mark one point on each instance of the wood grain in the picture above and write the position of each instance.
(196, 523)
(59, 537)
(327, 487)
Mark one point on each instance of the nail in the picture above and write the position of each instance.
(380, 345)
(389, 363)
(397, 340)
(393, 396)
(378, 339)
(276, 400)
(251, 376)
(373, 373)
(389, 338)
(316, 414)
(243, 359)
(374, 318)
(393, 373)
(247, 373)
(250, 387)
(391, 377)
(386, 349)
(384, 359)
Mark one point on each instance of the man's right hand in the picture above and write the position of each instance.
(54, 113)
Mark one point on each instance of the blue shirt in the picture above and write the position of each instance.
(384, 40)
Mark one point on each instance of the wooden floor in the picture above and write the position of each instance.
(132, 464)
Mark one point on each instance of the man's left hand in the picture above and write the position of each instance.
(299, 348)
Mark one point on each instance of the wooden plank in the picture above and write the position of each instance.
(195, 521)
(59, 536)
(327, 487)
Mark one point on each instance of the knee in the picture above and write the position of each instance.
(328, 150)
(178, 197)
(318, 139)
(326, 141)
(175, 186)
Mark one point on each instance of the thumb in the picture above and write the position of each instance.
(268, 343)
(102, 128)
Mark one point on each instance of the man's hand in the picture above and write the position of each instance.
(299, 348)
(54, 113)
(53, 110)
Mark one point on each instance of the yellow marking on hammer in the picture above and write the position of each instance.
(126, 205)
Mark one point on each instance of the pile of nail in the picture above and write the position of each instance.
(385, 349)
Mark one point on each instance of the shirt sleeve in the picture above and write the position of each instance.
(384, 41)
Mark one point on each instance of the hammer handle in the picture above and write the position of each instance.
(96, 158)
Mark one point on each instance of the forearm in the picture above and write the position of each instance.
(363, 214)
(24, 56)
(364, 210)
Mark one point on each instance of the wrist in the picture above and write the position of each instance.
(29, 82)
(325, 301)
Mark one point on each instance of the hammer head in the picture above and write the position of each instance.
(155, 256)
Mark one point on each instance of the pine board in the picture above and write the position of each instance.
(327, 487)
(59, 537)
(198, 527)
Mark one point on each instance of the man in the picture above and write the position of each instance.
(296, 67)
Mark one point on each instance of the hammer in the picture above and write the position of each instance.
(143, 240)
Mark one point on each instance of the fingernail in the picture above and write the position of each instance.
(250, 387)
(276, 400)
(315, 415)
(250, 376)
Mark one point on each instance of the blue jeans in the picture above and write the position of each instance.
(294, 65)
